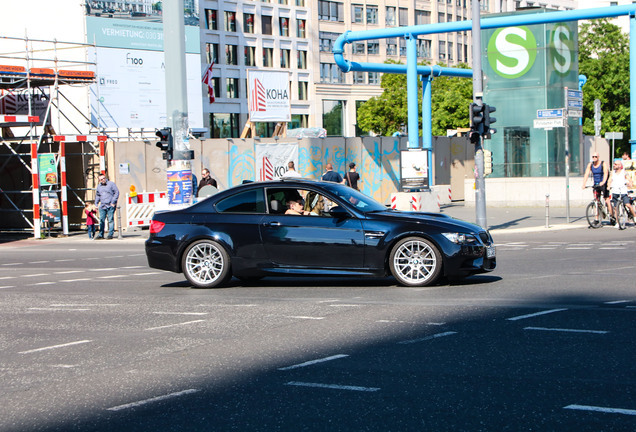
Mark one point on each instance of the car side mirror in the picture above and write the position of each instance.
(338, 212)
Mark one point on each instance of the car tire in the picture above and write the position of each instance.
(206, 264)
(415, 262)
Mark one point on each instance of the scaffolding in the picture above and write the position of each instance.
(33, 75)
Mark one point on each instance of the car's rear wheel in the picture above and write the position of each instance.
(415, 262)
(206, 264)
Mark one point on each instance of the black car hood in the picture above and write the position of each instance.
(438, 219)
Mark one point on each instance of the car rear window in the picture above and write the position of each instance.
(251, 201)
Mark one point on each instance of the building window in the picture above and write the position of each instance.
(391, 46)
(459, 52)
(250, 56)
(302, 59)
(441, 17)
(359, 78)
(390, 16)
(285, 55)
(248, 23)
(283, 2)
(230, 21)
(232, 88)
(231, 54)
(303, 90)
(374, 78)
(299, 121)
(422, 17)
(268, 57)
(300, 28)
(372, 14)
(266, 22)
(423, 48)
(284, 26)
(331, 73)
(450, 51)
(224, 125)
(212, 52)
(326, 40)
(330, 11)
(357, 12)
(358, 47)
(373, 46)
(404, 17)
(210, 20)
(442, 50)
(300, 3)
(216, 82)
(332, 117)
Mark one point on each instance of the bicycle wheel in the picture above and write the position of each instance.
(622, 216)
(593, 215)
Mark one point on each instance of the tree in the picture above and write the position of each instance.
(388, 113)
(604, 60)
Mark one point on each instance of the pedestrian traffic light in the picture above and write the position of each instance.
(487, 162)
(476, 120)
(165, 142)
(474, 136)
(488, 120)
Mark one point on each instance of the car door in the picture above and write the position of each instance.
(313, 241)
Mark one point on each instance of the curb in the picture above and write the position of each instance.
(559, 227)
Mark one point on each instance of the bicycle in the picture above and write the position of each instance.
(623, 212)
(596, 210)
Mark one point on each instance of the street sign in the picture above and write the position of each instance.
(549, 113)
(575, 103)
(548, 123)
(575, 94)
(575, 113)
(614, 135)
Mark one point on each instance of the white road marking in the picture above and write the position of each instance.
(566, 330)
(344, 305)
(43, 283)
(75, 280)
(534, 314)
(133, 267)
(91, 259)
(82, 305)
(7, 286)
(7, 277)
(328, 301)
(111, 276)
(38, 262)
(55, 346)
(104, 269)
(435, 336)
(145, 274)
(616, 302)
(154, 399)
(618, 268)
(180, 313)
(601, 409)
(175, 325)
(138, 255)
(313, 362)
(612, 248)
(11, 264)
(578, 248)
(69, 271)
(304, 317)
(332, 386)
(64, 260)
(544, 248)
(35, 275)
(65, 366)
(55, 309)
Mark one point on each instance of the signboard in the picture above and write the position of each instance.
(47, 169)
(614, 135)
(180, 185)
(414, 171)
(16, 102)
(548, 123)
(268, 96)
(550, 113)
(51, 211)
(272, 160)
(575, 113)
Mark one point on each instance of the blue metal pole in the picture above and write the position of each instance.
(632, 82)
(427, 124)
(411, 91)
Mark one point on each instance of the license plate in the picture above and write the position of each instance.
(490, 252)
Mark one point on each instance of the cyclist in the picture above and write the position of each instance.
(600, 174)
(618, 184)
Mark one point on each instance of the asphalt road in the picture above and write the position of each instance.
(92, 339)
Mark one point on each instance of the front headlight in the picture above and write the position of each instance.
(460, 238)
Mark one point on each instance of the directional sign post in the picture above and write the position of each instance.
(613, 136)
(548, 123)
(550, 113)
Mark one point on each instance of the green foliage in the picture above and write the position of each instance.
(604, 60)
(388, 113)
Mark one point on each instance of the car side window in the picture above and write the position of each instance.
(251, 201)
(312, 202)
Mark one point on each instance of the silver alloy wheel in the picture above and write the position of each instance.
(205, 264)
(415, 262)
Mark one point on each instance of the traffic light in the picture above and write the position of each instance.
(488, 120)
(476, 118)
(487, 162)
(165, 142)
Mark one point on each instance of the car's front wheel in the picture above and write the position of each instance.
(415, 262)
(206, 264)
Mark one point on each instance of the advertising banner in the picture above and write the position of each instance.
(268, 96)
(16, 102)
(51, 211)
(414, 169)
(272, 160)
(180, 185)
(47, 169)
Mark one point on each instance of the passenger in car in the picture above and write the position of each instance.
(295, 208)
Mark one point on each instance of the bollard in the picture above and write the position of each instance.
(119, 236)
(547, 210)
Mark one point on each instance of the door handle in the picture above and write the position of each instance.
(272, 224)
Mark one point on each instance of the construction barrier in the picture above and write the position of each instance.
(141, 207)
(426, 201)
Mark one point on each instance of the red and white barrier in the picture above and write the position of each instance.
(64, 191)
(19, 119)
(80, 138)
(36, 190)
(141, 207)
(425, 201)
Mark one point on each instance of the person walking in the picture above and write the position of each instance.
(91, 219)
(291, 171)
(331, 176)
(106, 196)
(352, 177)
(206, 180)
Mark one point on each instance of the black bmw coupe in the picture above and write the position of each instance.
(300, 227)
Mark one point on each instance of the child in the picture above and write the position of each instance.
(91, 219)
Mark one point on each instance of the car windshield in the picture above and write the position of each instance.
(359, 200)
